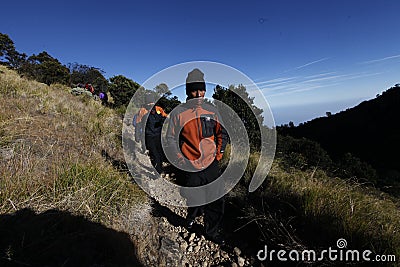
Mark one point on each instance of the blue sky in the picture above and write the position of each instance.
(307, 57)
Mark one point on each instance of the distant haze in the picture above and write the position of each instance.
(303, 113)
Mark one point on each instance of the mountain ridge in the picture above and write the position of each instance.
(368, 131)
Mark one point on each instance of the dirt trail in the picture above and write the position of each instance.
(166, 241)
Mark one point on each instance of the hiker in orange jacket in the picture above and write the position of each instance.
(139, 131)
(196, 138)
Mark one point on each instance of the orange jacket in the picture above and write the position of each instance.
(195, 132)
(141, 113)
(161, 111)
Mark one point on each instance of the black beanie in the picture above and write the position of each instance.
(195, 81)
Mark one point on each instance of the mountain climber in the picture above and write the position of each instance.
(151, 120)
(196, 137)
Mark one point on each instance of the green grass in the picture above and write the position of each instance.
(98, 192)
(57, 140)
(341, 208)
(309, 209)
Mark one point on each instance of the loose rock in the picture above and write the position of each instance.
(241, 261)
(192, 236)
(216, 255)
(184, 246)
(237, 251)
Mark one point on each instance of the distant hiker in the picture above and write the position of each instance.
(139, 124)
(197, 138)
(104, 98)
(152, 123)
(89, 87)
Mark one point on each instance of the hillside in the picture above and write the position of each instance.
(66, 198)
(60, 200)
(369, 131)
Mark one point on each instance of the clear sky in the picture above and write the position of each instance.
(308, 57)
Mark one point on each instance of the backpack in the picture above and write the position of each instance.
(154, 122)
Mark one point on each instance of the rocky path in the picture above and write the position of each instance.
(190, 247)
(169, 243)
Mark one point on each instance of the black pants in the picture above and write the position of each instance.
(214, 211)
(139, 136)
(156, 154)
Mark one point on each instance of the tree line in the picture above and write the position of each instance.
(49, 70)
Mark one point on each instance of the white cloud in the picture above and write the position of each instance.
(310, 63)
(380, 59)
(307, 83)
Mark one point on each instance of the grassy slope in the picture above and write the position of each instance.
(310, 210)
(337, 208)
(51, 146)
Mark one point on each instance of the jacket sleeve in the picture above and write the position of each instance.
(221, 138)
(173, 139)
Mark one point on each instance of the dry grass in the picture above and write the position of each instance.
(307, 208)
(361, 214)
(51, 144)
